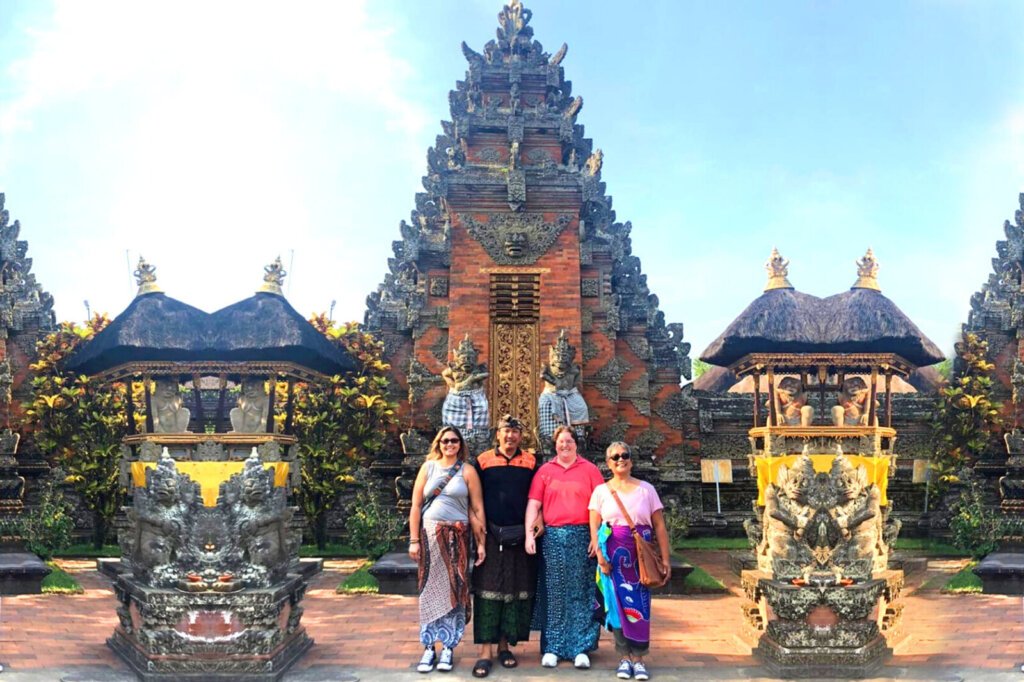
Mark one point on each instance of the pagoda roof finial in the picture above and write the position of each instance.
(145, 277)
(778, 272)
(273, 278)
(867, 272)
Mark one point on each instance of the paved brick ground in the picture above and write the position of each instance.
(379, 632)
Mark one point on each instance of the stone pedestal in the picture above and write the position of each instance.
(396, 573)
(22, 573)
(1002, 573)
(246, 635)
(822, 631)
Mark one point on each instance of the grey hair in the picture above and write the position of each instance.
(618, 444)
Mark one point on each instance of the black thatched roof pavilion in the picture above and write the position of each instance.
(861, 320)
(157, 334)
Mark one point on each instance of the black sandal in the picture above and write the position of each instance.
(507, 658)
(482, 668)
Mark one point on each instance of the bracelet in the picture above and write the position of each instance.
(414, 542)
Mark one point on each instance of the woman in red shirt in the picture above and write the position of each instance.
(565, 595)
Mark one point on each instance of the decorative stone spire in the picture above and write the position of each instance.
(273, 278)
(867, 273)
(145, 277)
(778, 272)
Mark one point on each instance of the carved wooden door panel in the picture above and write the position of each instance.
(515, 313)
(514, 374)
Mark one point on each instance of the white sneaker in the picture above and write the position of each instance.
(582, 661)
(640, 671)
(426, 663)
(549, 661)
(444, 664)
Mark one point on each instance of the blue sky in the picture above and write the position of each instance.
(212, 137)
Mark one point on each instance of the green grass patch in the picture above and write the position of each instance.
(60, 582)
(964, 582)
(713, 543)
(333, 550)
(929, 547)
(702, 582)
(86, 550)
(360, 582)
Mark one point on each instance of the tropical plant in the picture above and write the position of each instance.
(975, 526)
(78, 422)
(372, 523)
(340, 423)
(967, 422)
(46, 528)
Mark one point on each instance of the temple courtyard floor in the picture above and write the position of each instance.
(374, 637)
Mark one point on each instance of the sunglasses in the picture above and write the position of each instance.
(623, 455)
(449, 441)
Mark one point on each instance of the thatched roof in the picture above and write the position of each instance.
(788, 321)
(158, 328)
(154, 327)
(266, 327)
(723, 380)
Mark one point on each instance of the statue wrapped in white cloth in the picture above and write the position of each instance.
(561, 402)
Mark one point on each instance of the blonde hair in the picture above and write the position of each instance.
(435, 447)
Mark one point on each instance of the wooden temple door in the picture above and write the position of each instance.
(514, 337)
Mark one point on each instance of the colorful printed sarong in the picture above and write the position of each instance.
(443, 584)
(466, 410)
(560, 408)
(627, 603)
(566, 601)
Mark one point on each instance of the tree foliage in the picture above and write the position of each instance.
(341, 423)
(967, 422)
(78, 422)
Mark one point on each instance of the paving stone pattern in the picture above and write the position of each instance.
(380, 633)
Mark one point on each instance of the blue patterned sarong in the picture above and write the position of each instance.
(627, 603)
(566, 601)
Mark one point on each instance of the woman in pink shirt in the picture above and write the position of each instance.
(627, 602)
(565, 593)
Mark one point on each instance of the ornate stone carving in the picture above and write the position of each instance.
(209, 451)
(439, 286)
(515, 239)
(561, 399)
(466, 405)
(590, 288)
(250, 416)
(514, 355)
(590, 350)
(169, 412)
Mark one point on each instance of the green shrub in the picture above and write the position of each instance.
(46, 529)
(373, 524)
(975, 527)
(676, 524)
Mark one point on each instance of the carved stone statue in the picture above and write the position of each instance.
(561, 402)
(169, 413)
(466, 407)
(253, 406)
(858, 513)
(786, 514)
(793, 409)
(852, 409)
(160, 512)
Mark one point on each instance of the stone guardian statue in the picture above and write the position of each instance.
(561, 402)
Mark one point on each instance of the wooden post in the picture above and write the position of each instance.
(290, 406)
(220, 401)
(131, 409)
(270, 403)
(200, 417)
(149, 405)
(772, 415)
(757, 398)
(872, 396)
(888, 397)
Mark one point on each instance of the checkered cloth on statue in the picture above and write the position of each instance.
(557, 408)
(466, 410)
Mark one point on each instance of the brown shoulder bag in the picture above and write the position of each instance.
(653, 572)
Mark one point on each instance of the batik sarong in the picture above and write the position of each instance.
(443, 582)
(627, 603)
(560, 408)
(566, 601)
(503, 588)
(466, 410)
